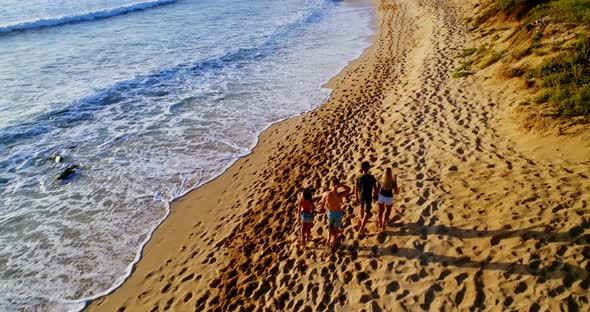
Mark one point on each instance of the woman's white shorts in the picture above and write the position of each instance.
(385, 200)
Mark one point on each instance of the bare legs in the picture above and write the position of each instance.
(384, 212)
(364, 217)
(333, 237)
(380, 216)
(302, 238)
(305, 232)
(387, 213)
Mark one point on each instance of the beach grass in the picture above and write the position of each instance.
(494, 57)
(566, 79)
(461, 74)
(514, 72)
(560, 11)
(562, 79)
(468, 52)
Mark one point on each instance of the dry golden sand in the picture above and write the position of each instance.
(478, 224)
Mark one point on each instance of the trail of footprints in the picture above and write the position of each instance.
(452, 243)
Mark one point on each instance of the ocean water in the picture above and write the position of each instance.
(144, 101)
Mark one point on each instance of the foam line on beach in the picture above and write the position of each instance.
(83, 17)
(85, 108)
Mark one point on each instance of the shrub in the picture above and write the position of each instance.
(494, 57)
(522, 53)
(576, 103)
(508, 8)
(537, 40)
(543, 97)
(561, 11)
(567, 79)
(565, 11)
(465, 65)
(525, 102)
(468, 52)
(461, 74)
(514, 72)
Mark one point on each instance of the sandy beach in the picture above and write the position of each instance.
(485, 219)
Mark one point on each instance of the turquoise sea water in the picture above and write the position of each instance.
(144, 100)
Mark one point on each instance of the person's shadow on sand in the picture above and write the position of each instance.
(542, 234)
(551, 270)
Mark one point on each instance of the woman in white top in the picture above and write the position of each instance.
(387, 187)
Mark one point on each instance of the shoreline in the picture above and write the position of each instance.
(479, 224)
(140, 255)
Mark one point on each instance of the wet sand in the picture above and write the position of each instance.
(480, 223)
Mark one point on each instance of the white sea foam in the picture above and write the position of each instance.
(83, 17)
(148, 114)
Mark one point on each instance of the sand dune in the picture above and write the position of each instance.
(478, 224)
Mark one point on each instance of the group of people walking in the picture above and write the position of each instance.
(366, 190)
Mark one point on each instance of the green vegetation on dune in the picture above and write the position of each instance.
(562, 81)
(493, 58)
(508, 8)
(461, 74)
(468, 52)
(515, 72)
(562, 11)
(567, 79)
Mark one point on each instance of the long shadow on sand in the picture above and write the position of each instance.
(536, 267)
(542, 234)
